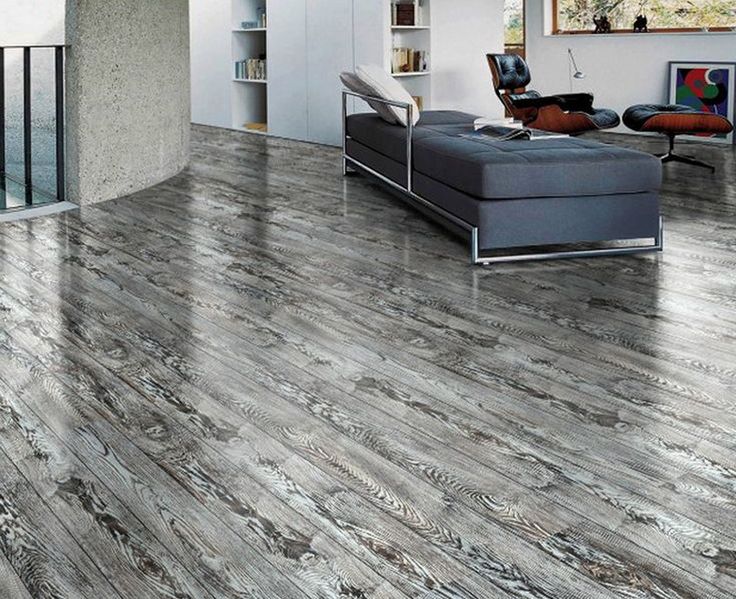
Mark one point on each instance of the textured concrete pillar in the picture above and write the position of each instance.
(128, 90)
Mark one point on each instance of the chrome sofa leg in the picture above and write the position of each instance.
(474, 249)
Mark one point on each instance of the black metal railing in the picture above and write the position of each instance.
(27, 136)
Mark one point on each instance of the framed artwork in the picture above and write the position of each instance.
(708, 87)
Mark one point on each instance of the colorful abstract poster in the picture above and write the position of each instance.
(707, 87)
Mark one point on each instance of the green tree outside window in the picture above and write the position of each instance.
(514, 22)
(576, 15)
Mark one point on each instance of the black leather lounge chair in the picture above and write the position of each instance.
(562, 113)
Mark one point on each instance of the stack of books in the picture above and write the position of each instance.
(409, 60)
(251, 68)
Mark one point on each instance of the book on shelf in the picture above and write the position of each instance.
(251, 68)
(409, 60)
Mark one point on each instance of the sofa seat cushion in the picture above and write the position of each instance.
(446, 149)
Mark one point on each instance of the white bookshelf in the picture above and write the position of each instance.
(418, 37)
(249, 95)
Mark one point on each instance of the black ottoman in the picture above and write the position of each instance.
(673, 120)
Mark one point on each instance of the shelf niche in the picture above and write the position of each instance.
(416, 36)
(249, 102)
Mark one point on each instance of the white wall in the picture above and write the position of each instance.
(463, 32)
(330, 50)
(621, 69)
(211, 62)
(288, 114)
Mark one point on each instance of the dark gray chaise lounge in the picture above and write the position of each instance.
(513, 194)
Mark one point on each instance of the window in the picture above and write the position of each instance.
(513, 14)
(577, 15)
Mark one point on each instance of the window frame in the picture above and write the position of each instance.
(557, 31)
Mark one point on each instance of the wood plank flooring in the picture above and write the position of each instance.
(262, 380)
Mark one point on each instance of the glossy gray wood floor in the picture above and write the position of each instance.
(262, 380)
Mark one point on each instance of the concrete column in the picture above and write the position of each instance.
(128, 90)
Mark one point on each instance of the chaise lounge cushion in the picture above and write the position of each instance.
(489, 169)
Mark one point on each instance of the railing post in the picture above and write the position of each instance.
(2, 116)
(2, 129)
(27, 124)
(60, 178)
(409, 148)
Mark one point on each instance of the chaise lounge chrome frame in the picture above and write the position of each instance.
(407, 192)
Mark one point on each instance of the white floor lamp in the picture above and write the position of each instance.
(573, 70)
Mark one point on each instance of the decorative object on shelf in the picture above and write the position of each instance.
(249, 25)
(641, 24)
(404, 14)
(709, 87)
(602, 24)
(262, 17)
(572, 67)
